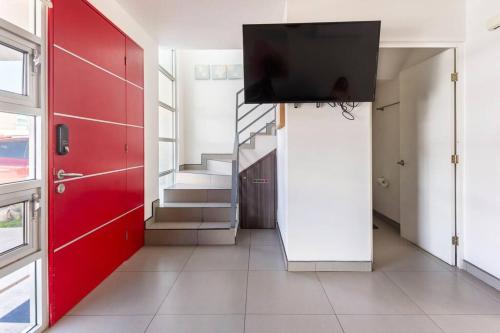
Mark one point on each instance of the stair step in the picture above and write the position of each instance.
(188, 225)
(219, 167)
(195, 205)
(171, 195)
(200, 236)
(193, 211)
(181, 186)
(202, 178)
(205, 172)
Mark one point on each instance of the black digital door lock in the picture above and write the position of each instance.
(62, 139)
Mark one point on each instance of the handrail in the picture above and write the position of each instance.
(235, 162)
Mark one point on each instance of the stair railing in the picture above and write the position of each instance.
(248, 124)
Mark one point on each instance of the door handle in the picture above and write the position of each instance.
(260, 181)
(402, 162)
(61, 174)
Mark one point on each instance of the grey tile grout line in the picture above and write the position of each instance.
(413, 301)
(248, 273)
(170, 289)
(329, 301)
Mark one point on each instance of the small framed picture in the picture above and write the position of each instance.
(202, 72)
(219, 72)
(234, 72)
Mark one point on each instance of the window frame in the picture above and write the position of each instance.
(31, 47)
(31, 229)
(169, 108)
(34, 104)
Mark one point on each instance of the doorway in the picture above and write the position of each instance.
(415, 153)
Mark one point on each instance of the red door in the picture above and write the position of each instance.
(96, 185)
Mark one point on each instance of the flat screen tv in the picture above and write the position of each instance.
(310, 62)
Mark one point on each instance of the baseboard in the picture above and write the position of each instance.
(387, 220)
(322, 266)
(329, 266)
(283, 251)
(482, 275)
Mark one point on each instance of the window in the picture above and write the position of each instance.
(167, 111)
(17, 147)
(18, 300)
(23, 13)
(166, 92)
(20, 69)
(12, 65)
(22, 136)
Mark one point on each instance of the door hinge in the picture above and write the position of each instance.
(454, 240)
(47, 3)
(454, 77)
(125, 60)
(126, 147)
(454, 159)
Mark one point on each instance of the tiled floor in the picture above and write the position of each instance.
(246, 289)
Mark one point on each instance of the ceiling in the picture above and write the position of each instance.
(202, 24)
(216, 24)
(392, 61)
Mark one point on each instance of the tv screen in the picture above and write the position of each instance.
(310, 62)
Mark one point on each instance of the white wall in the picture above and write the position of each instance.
(482, 139)
(386, 150)
(403, 20)
(113, 11)
(327, 213)
(206, 107)
(282, 181)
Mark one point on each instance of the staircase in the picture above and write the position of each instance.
(202, 206)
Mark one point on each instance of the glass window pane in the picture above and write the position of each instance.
(18, 300)
(12, 69)
(166, 123)
(166, 156)
(165, 58)
(19, 12)
(17, 147)
(167, 180)
(165, 92)
(12, 227)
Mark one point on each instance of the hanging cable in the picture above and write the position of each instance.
(346, 107)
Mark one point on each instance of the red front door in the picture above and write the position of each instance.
(96, 184)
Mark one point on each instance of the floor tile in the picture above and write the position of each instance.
(197, 324)
(127, 293)
(266, 257)
(158, 259)
(366, 293)
(465, 276)
(387, 324)
(405, 258)
(468, 323)
(212, 258)
(217, 292)
(101, 324)
(292, 324)
(444, 293)
(274, 292)
(265, 237)
(243, 237)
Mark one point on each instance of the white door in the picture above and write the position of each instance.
(427, 138)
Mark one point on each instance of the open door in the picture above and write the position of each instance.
(427, 143)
